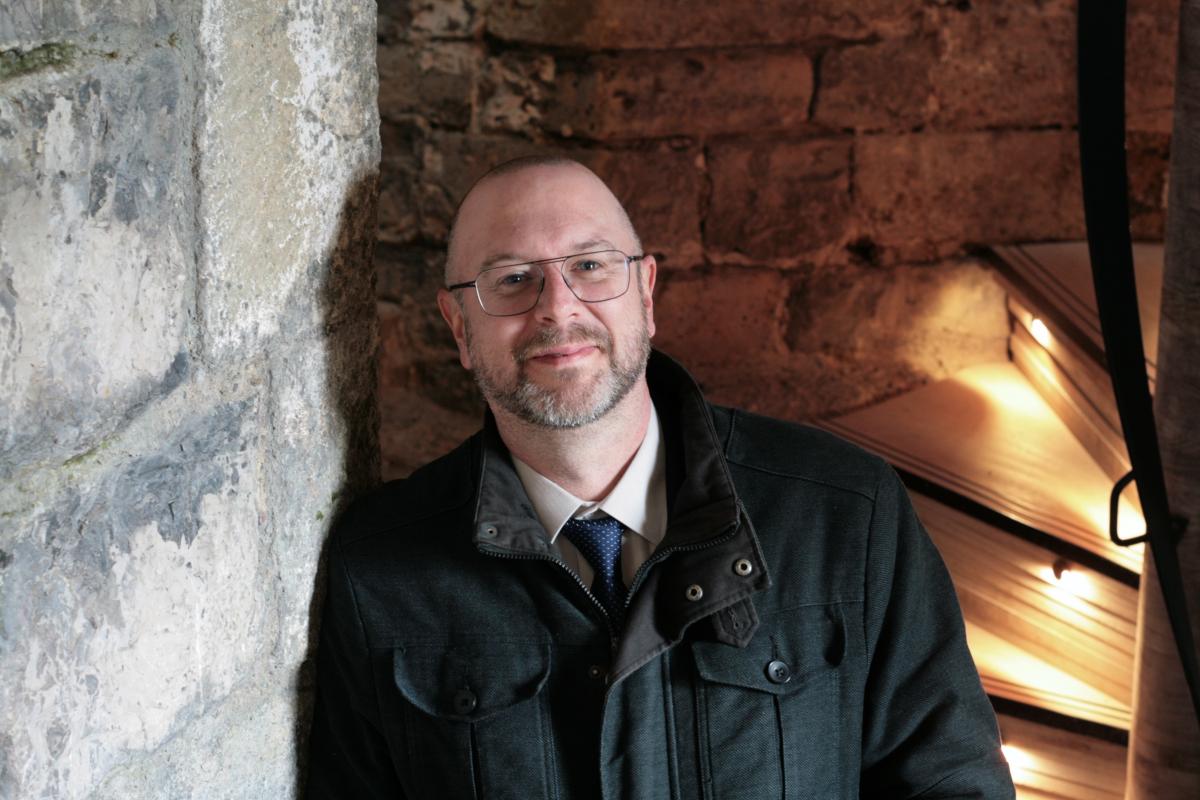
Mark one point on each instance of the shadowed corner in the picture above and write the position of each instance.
(347, 303)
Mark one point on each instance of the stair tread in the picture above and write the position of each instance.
(987, 435)
(1012, 673)
(1081, 622)
(1049, 762)
(1059, 274)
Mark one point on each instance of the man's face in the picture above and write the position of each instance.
(565, 363)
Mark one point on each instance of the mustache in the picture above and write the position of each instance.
(574, 334)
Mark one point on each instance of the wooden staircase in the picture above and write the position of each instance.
(1011, 466)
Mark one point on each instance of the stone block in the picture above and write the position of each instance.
(399, 178)
(723, 318)
(924, 196)
(244, 746)
(426, 19)
(95, 272)
(133, 599)
(879, 85)
(929, 320)
(1151, 53)
(1147, 156)
(517, 89)
(289, 117)
(651, 95)
(779, 201)
(434, 80)
(33, 24)
(629, 25)
(1004, 64)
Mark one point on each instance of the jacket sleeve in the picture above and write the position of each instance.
(928, 728)
(348, 754)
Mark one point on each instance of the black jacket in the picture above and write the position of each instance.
(794, 635)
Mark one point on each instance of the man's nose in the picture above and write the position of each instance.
(557, 301)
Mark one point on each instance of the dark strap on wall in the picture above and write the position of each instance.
(1101, 45)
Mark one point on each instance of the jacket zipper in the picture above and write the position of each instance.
(612, 634)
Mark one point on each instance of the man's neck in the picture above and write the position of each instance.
(586, 461)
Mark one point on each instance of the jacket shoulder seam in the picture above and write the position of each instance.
(768, 471)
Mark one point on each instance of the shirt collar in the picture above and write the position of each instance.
(638, 501)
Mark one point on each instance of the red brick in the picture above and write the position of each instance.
(637, 25)
(721, 318)
(778, 201)
(680, 93)
(924, 195)
(432, 80)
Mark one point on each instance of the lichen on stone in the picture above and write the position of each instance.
(17, 62)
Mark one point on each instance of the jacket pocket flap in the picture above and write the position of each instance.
(470, 681)
(787, 653)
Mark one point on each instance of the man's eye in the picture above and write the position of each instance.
(513, 279)
(587, 265)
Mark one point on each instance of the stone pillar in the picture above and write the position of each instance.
(1164, 746)
(187, 329)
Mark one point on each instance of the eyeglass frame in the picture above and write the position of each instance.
(629, 260)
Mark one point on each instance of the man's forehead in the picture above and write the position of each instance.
(518, 214)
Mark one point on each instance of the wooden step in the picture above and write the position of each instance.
(986, 435)
(1087, 409)
(1054, 281)
(1011, 673)
(1072, 618)
(1049, 762)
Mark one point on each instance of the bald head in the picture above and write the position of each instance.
(522, 202)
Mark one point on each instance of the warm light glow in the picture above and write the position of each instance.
(1070, 578)
(1020, 763)
(1013, 392)
(1130, 521)
(1040, 332)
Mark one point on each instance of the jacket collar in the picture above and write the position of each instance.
(701, 501)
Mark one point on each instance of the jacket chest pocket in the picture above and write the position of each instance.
(475, 718)
(767, 716)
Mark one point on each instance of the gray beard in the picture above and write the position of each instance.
(566, 408)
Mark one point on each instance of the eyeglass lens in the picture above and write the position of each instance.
(593, 277)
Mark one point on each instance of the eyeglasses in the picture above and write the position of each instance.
(512, 289)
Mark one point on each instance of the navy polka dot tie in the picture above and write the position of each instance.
(599, 541)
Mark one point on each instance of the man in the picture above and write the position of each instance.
(616, 590)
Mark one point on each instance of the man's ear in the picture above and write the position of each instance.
(453, 313)
(647, 273)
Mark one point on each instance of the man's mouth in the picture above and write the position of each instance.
(562, 353)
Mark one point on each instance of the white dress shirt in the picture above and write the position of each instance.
(638, 501)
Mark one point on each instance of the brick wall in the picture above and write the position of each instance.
(810, 175)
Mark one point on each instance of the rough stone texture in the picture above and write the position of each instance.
(630, 24)
(923, 196)
(774, 156)
(784, 201)
(643, 96)
(186, 371)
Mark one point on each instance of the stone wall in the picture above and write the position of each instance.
(187, 329)
(812, 176)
